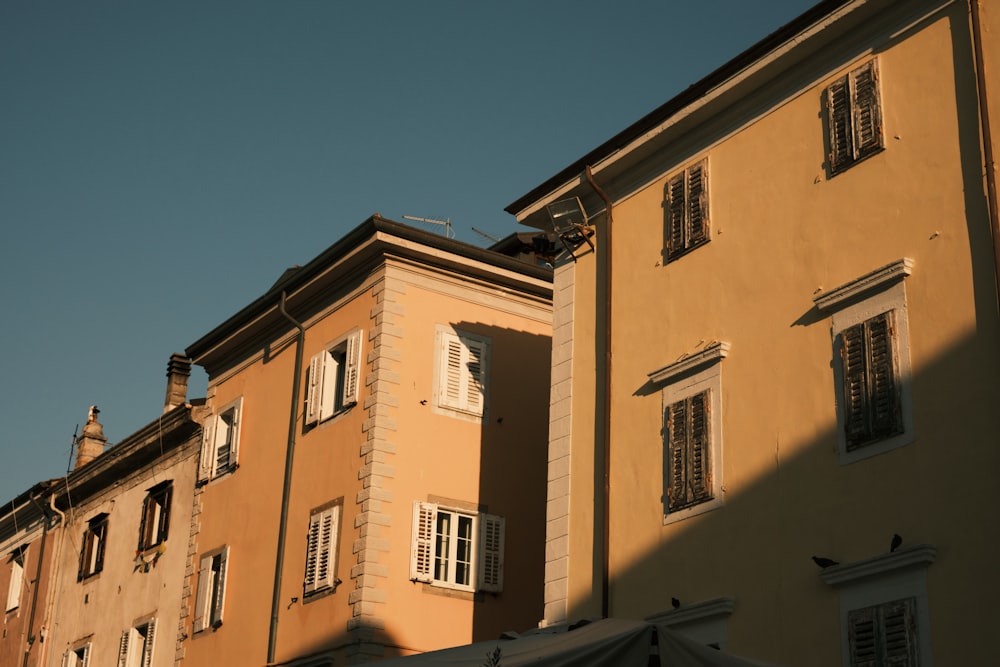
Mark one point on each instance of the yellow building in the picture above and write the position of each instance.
(787, 284)
(372, 479)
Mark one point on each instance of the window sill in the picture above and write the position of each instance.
(446, 590)
(689, 512)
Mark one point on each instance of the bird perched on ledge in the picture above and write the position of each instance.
(897, 541)
(824, 562)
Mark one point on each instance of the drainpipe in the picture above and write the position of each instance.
(53, 574)
(279, 561)
(38, 579)
(606, 519)
(987, 138)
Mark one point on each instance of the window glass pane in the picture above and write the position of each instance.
(463, 556)
(442, 546)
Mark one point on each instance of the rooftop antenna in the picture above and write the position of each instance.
(485, 235)
(446, 223)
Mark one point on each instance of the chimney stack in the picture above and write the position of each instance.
(91, 443)
(178, 371)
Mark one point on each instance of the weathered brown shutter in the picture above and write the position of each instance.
(855, 366)
(838, 105)
(699, 465)
(899, 630)
(676, 450)
(867, 115)
(862, 630)
(883, 387)
(675, 206)
(697, 204)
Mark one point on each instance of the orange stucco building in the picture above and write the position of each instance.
(789, 293)
(372, 479)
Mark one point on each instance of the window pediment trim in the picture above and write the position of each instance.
(873, 280)
(712, 353)
(696, 611)
(916, 556)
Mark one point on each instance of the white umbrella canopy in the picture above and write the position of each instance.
(610, 642)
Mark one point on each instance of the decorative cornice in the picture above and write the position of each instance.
(919, 555)
(697, 611)
(878, 278)
(712, 353)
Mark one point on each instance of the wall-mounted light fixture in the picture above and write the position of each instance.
(569, 221)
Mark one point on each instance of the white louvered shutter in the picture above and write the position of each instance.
(215, 614)
(207, 449)
(491, 541)
(314, 391)
(147, 646)
(201, 600)
(85, 662)
(352, 369)
(422, 549)
(123, 649)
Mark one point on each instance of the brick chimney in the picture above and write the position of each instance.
(178, 371)
(91, 442)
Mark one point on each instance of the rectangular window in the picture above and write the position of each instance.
(92, 547)
(321, 550)
(16, 578)
(854, 115)
(883, 635)
(463, 360)
(211, 596)
(334, 379)
(689, 474)
(155, 516)
(871, 400)
(221, 442)
(686, 210)
(136, 647)
(77, 657)
(457, 549)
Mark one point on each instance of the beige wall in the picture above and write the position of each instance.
(104, 605)
(783, 231)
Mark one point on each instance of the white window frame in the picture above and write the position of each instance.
(888, 577)
(210, 598)
(77, 657)
(322, 540)
(877, 292)
(221, 430)
(460, 389)
(136, 646)
(485, 571)
(682, 379)
(17, 559)
(333, 383)
(93, 547)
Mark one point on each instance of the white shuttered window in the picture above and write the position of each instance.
(334, 380)
(457, 549)
(463, 371)
(321, 552)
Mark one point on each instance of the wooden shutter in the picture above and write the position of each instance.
(689, 478)
(855, 365)
(352, 369)
(312, 553)
(453, 372)
(85, 659)
(66, 659)
(207, 449)
(201, 599)
(319, 551)
(675, 223)
(883, 635)
(123, 649)
(16, 580)
(872, 406)
(862, 631)
(314, 391)
(475, 377)
(697, 204)
(147, 645)
(899, 630)
(491, 541)
(838, 107)
(219, 596)
(422, 549)
(867, 113)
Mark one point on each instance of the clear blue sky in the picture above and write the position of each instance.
(161, 163)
